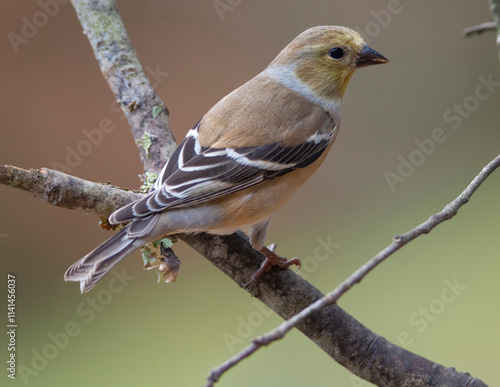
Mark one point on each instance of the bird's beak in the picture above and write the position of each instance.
(368, 56)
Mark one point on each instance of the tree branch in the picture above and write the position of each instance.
(66, 191)
(421, 372)
(146, 113)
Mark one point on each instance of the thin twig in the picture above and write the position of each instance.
(480, 29)
(449, 211)
(495, 11)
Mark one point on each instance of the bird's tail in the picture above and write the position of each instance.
(90, 269)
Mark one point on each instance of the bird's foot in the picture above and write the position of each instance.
(272, 259)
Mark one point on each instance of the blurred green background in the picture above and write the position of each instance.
(145, 333)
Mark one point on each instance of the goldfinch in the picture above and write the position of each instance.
(247, 156)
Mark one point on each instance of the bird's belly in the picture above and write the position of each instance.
(254, 204)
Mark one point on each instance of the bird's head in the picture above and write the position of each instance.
(324, 58)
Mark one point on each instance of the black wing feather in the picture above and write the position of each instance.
(195, 174)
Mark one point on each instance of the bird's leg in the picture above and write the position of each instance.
(272, 259)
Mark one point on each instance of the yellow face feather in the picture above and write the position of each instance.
(316, 64)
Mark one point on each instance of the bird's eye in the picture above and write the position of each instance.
(336, 53)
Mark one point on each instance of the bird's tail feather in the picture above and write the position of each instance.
(90, 269)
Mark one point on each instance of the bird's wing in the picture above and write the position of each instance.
(196, 174)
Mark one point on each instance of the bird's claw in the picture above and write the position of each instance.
(272, 259)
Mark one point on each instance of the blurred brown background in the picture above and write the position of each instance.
(439, 296)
